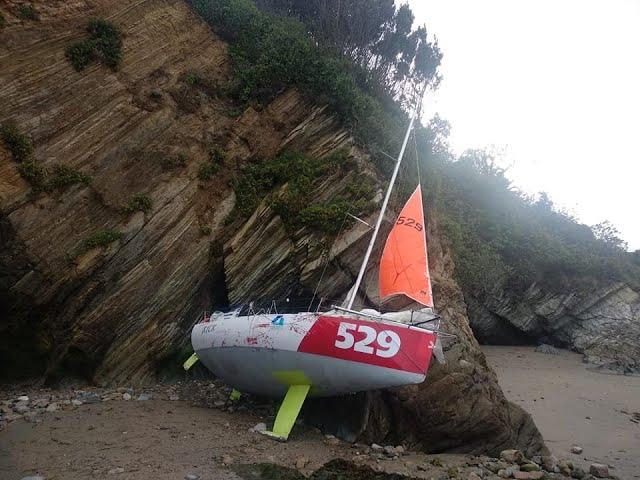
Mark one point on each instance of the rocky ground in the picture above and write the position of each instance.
(190, 430)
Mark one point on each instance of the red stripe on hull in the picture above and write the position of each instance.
(370, 342)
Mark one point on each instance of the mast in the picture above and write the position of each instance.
(356, 286)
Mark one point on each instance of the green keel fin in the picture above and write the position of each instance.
(234, 396)
(288, 412)
(190, 361)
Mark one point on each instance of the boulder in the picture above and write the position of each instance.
(512, 456)
(599, 470)
(571, 317)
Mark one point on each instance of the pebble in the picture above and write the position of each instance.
(511, 471)
(40, 403)
(331, 440)
(31, 417)
(33, 477)
(576, 449)
(512, 456)
(144, 397)
(126, 396)
(76, 403)
(259, 427)
(578, 473)
(529, 467)
(376, 448)
(174, 398)
(191, 476)
(474, 476)
(23, 398)
(90, 398)
(599, 470)
(116, 471)
(218, 404)
(549, 463)
(518, 475)
(52, 407)
(301, 462)
(21, 407)
(227, 459)
(548, 349)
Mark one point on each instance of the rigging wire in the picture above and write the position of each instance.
(357, 196)
(326, 264)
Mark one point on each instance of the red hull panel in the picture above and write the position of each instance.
(375, 343)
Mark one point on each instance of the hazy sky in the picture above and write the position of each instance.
(554, 83)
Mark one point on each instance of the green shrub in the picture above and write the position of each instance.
(217, 155)
(101, 238)
(64, 176)
(210, 168)
(18, 144)
(169, 162)
(35, 174)
(28, 12)
(103, 45)
(205, 230)
(21, 149)
(140, 202)
(108, 39)
(192, 79)
(81, 54)
(294, 202)
(207, 170)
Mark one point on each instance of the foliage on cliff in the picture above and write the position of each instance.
(40, 178)
(103, 45)
(505, 239)
(394, 58)
(272, 52)
(298, 176)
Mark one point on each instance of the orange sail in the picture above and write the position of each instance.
(403, 268)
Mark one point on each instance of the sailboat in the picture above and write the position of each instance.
(343, 350)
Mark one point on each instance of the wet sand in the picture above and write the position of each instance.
(165, 439)
(573, 405)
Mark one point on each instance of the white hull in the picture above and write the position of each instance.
(335, 354)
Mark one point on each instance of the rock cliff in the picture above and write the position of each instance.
(117, 311)
(602, 321)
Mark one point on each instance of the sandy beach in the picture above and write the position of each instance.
(572, 405)
(178, 430)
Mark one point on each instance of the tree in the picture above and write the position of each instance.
(396, 59)
(609, 234)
